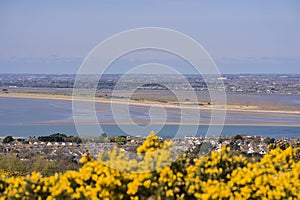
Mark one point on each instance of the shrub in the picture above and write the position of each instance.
(220, 175)
(8, 139)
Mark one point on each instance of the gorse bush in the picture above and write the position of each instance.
(220, 175)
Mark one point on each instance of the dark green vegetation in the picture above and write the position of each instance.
(12, 163)
(58, 137)
(8, 139)
(119, 139)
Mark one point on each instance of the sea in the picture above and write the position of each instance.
(23, 117)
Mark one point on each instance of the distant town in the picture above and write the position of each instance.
(240, 83)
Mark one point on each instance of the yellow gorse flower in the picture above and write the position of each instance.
(220, 175)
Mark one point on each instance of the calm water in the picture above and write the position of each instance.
(34, 117)
(167, 131)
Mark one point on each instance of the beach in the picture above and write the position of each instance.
(61, 115)
(256, 107)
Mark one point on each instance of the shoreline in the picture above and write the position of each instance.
(235, 108)
(171, 123)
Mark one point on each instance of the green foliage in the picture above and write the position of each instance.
(202, 149)
(120, 139)
(43, 166)
(237, 137)
(12, 163)
(269, 140)
(58, 137)
(34, 163)
(8, 139)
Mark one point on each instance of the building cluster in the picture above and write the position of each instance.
(193, 145)
(263, 83)
(242, 144)
(51, 150)
(248, 83)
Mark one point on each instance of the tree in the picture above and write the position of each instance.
(120, 139)
(237, 137)
(203, 148)
(269, 140)
(8, 139)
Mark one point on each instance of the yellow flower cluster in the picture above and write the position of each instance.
(284, 145)
(6, 173)
(152, 143)
(221, 175)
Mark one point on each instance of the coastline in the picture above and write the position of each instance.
(171, 123)
(247, 121)
(235, 108)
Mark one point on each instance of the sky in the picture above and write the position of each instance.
(241, 36)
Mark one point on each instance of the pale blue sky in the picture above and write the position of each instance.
(241, 36)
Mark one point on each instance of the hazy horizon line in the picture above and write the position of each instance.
(249, 73)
